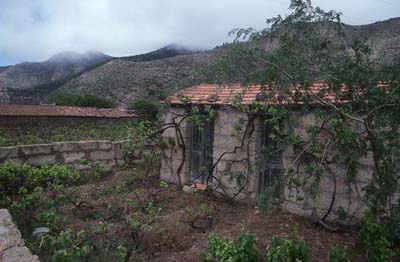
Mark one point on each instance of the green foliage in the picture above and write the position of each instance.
(374, 239)
(222, 250)
(147, 109)
(264, 201)
(23, 179)
(338, 254)
(282, 249)
(393, 227)
(122, 252)
(164, 185)
(86, 132)
(102, 171)
(205, 210)
(84, 100)
(67, 246)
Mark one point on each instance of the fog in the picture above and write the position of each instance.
(33, 30)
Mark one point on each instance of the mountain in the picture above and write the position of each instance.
(123, 80)
(37, 90)
(173, 67)
(28, 75)
(3, 68)
(165, 52)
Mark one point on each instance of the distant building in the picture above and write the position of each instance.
(14, 116)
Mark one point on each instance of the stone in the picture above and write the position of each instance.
(104, 145)
(12, 247)
(66, 146)
(87, 145)
(8, 152)
(102, 155)
(36, 149)
(18, 254)
(83, 167)
(188, 189)
(9, 234)
(42, 160)
(40, 230)
(72, 157)
(298, 209)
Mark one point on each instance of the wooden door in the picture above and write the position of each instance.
(201, 151)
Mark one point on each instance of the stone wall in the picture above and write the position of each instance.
(82, 154)
(231, 165)
(349, 197)
(174, 164)
(12, 247)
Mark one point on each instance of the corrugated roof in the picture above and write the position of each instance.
(53, 111)
(225, 94)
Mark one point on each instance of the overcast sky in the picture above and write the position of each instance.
(33, 30)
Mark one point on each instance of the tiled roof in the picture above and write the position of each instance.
(224, 94)
(53, 111)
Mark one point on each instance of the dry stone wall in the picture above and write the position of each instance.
(82, 154)
(349, 197)
(226, 139)
(12, 247)
(174, 158)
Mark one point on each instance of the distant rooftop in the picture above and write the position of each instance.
(57, 111)
(225, 94)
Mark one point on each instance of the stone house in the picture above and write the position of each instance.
(217, 154)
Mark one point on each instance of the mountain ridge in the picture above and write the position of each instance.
(169, 69)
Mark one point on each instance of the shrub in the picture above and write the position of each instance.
(393, 227)
(146, 109)
(338, 254)
(222, 250)
(282, 249)
(102, 171)
(67, 246)
(374, 239)
(18, 179)
(84, 100)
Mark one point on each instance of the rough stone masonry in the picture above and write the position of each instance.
(12, 246)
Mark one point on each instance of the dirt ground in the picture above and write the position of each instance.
(230, 220)
(173, 237)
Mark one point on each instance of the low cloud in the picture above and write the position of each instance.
(34, 30)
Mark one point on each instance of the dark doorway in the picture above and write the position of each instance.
(271, 160)
(201, 141)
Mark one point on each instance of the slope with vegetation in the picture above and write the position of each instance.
(173, 67)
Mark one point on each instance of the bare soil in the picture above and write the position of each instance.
(173, 238)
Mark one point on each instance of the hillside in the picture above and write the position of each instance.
(126, 80)
(168, 51)
(38, 90)
(27, 75)
(170, 68)
(3, 68)
(123, 81)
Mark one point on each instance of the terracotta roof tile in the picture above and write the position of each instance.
(224, 94)
(53, 111)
